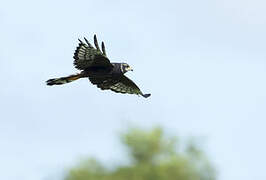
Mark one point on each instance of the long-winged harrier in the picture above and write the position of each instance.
(95, 65)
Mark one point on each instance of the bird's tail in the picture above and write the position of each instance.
(63, 80)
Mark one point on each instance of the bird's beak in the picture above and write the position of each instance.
(129, 69)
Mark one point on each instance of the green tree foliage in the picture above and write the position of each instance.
(153, 157)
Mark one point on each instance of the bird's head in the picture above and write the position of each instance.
(125, 68)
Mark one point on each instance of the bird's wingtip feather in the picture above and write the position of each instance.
(146, 95)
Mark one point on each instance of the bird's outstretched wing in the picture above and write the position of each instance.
(120, 84)
(86, 56)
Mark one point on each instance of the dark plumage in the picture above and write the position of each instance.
(95, 65)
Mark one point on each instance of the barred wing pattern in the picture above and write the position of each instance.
(121, 84)
(86, 56)
(103, 83)
(125, 85)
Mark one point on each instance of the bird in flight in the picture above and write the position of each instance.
(94, 64)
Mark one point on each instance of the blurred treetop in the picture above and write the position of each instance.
(153, 157)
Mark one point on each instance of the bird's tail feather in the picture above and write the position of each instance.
(63, 80)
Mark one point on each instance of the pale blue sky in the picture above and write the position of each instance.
(203, 61)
